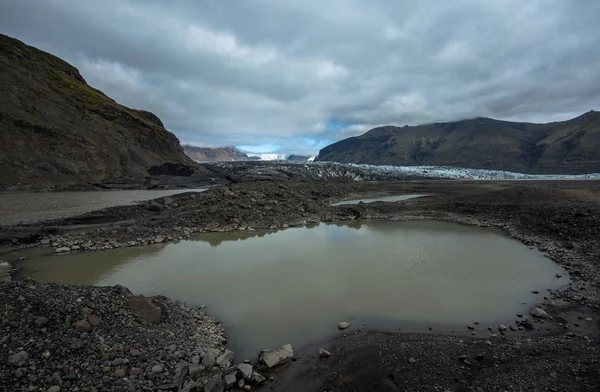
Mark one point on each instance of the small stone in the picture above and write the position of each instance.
(117, 362)
(324, 353)
(63, 249)
(230, 380)
(19, 358)
(195, 369)
(225, 359)
(412, 361)
(527, 324)
(210, 358)
(258, 378)
(82, 326)
(18, 373)
(135, 371)
(40, 322)
(157, 369)
(470, 327)
(502, 327)
(588, 319)
(134, 352)
(53, 388)
(94, 320)
(246, 370)
(120, 373)
(247, 388)
(343, 325)
(539, 313)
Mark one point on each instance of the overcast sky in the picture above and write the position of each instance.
(292, 76)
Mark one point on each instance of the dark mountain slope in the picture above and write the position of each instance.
(217, 154)
(55, 128)
(562, 147)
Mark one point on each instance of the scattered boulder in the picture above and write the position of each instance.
(246, 370)
(82, 326)
(154, 207)
(230, 380)
(19, 358)
(258, 378)
(181, 372)
(210, 358)
(324, 353)
(502, 328)
(277, 356)
(157, 369)
(62, 249)
(94, 320)
(539, 313)
(343, 325)
(215, 385)
(528, 324)
(195, 369)
(225, 358)
(40, 322)
(143, 308)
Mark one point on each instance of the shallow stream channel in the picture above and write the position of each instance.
(296, 285)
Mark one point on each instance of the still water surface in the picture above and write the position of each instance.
(26, 207)
(296, 285)
(392, 198)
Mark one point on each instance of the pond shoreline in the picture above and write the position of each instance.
(561, 219)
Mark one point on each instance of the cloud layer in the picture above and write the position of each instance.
(293, 76)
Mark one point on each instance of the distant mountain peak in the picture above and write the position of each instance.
(567, 147)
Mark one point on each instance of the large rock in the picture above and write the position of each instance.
(143, 308)
(225, 359)
(210, 358)
(230, 380)
(246, 370)
(215, 385)
(277, 356)
(539, 313)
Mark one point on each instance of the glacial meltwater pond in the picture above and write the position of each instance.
(295, 285)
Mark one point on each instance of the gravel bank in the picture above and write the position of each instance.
(84, 338)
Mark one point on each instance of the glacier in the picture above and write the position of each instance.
(458, 173)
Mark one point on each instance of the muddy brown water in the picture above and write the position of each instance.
(295, 285)
(28, 207)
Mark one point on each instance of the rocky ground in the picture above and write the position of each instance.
(555, 348)
(81, 338)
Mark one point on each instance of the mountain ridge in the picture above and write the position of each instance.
(55, 128)
(570, 147)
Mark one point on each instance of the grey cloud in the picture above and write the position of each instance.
(275, 72)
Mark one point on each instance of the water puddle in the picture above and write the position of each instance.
(296, 285)
(388, 199)
(28, 207)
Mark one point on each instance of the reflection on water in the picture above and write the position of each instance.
(389, 199)
(296, 285)
(24, 207)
